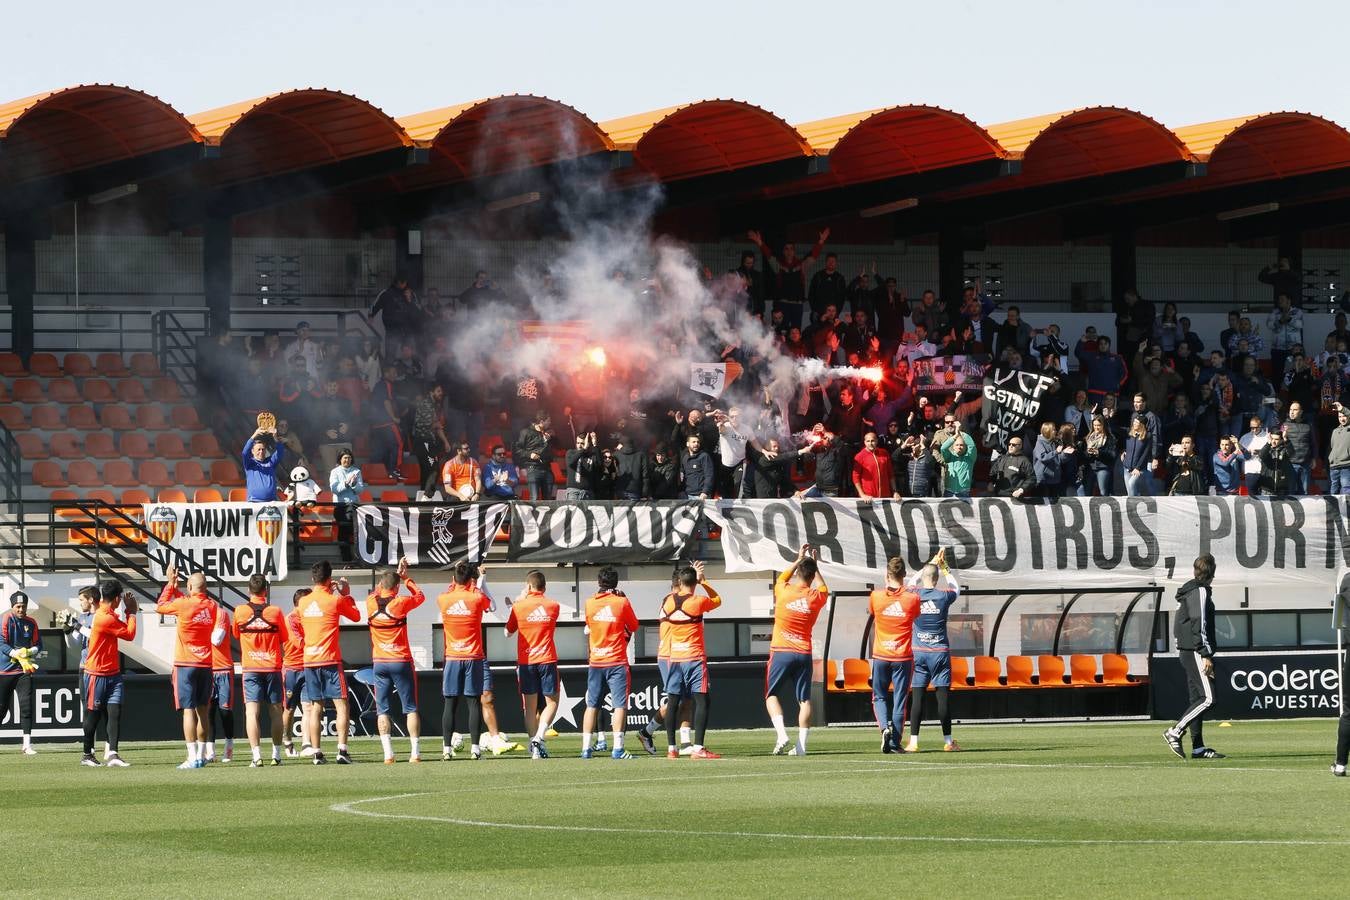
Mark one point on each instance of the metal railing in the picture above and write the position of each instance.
(11, 468)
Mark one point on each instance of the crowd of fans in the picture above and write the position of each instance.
(1149, 409)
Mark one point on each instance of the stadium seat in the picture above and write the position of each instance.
(225, 472)
(857, 675)
(62, 496)
(81, 417)
(987, 671)
(165, 390)
(47, 475)
(155, 474)
(135, 445)
(10, 365)
(487, 442)
(31, 446)
(394, 496)
(13, 418)
(144, 365)
(1082, 669)
(169, 445)
(151, 418)
(237, 495)
(206, 446)
(135, 496)
(206, 495)
(63, 390)
(1020, 671)
(48, 417)
(28, 390)
(117, 418)
(1115, 669)
(99, 445)
(83, 473)
(67, 445)
(117, 473)
(960, 672)
(315, 530)
(98, 390)
(185, 418)
(376, 474)
(834, 678)
(189, 473)
(45, 365)
(412, 474)
(129, 390)
(558, 476)
(1051, 670)
(172, 495)
(366, 497)
(110, 365)
(78, 365)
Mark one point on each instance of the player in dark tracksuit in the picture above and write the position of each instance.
(18, 633)
(1194, 632)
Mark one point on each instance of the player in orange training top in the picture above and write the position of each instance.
(200, 626)
(683, 610)
(391, 655)
(610, 623)
(893, 613)
(798, 597)
(462, 608)
(114, 620)
(262, 633)
(320, 612)
(534, 619)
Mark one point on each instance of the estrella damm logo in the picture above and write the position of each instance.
(268, 523)
(162, 523)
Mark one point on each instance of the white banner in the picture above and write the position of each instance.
(1071, 542)
(229, 541)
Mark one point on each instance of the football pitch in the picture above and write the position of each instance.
(1026, 810)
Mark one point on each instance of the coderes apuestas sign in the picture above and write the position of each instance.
(1255, 686)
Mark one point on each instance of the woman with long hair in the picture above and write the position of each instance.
(1099, 454)
(1136, 460)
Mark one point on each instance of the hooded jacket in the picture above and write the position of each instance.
(632, 475)
(1194, 625)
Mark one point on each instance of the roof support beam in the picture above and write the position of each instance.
(41, 193)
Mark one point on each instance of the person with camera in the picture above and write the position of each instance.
(579, 467)
(921, 468)
(1185, 470)
(1278, 476)
(1227, 465)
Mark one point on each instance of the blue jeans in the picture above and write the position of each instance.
(1140, 485)
(1301, 477)
(540, 483)
(1104, 477)
(1340, 480)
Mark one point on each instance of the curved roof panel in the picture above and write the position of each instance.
(1269, 145)
(295, 130)
(1094, 141)
(705, 138)
(899, 140)
(88, 125)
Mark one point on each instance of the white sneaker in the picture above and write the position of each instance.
(308, 751)
(456, 741)
(797, 750)
(780, 746)
(29, 751)
(114, 761)
(188, 764)
(687, 750)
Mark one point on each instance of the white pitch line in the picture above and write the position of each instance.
(349, 808)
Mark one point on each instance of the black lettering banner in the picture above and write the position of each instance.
(428, 534)
(1011, 399)
(600, 531)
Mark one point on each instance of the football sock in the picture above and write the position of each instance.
(1343, 740)
(90, 726)
(191, 750)
(276, 752)
(700, 718)
(684, 734)
(915, 712)
(257, 753)
(801, 737)
(388, 744)
(448, 721)
(114, 714)
(944, 713)
(416, 749)
(587, 740)
(779, 727)
(618, 740)
(475, 720)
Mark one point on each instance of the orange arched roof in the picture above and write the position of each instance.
(499, 134)
(1098, 140)
(87, 125)
(705, 138)
(1269, 145)
(899, 140)
(295, 130)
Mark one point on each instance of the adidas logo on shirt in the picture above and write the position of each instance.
(895, 609)
(800, 605)
(312, 610)
(203, 615)
(605, 615)
(539, 614)
(459, 609)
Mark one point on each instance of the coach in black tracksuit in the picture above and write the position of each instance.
(1194, 632)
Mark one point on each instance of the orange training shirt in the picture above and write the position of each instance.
(103, 657)
(261, 637)
(320, 612)
(197, 618)
(612, 622)
(893, 613)
(462, 609)
(534, 619)
(389, 629)
(795, 610)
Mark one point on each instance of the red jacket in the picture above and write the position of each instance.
(872, 473)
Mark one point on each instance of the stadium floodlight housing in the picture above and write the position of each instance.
(512, 202)
(111, 194)
(884, 209)
(1243, 212)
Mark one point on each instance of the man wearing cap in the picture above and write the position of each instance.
(18, 639)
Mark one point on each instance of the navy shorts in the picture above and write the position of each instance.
(262, 687)
(395, 678)
(685, 679)
(290, 678)
(463, 678)
(101, 690)
(663, 666)
(222, 689)
(612, 679)
(191, 687)
(932, 667)
(788, 668)
(538, 678)
(325, 683)
(892, 675)
(487, 676)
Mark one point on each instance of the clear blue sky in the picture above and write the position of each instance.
(1180, 62)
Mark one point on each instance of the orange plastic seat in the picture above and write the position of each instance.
(834, 679)
(960, 672)
(206, 446)
(185, 418)
(1083, 669)
(62, 496)
(48, 417)
(83, 473)
(225, 472)
(10, 365)
(857, 675)
(13, 418)
(394, 497)
(110, 365)
(315, 530)
(1116, 669)
(99, 445)
(189, 474)
(135, 496)
(67, 445)
(117, 473)
(144, 365)
(117, 418)
(129, 390)
(165, 390)
(83, 418)
(412, 473)
(987, 671)
(169, 445)
(78, 365)
(1051, 670)
(98, 390)
(44, 364)
(151, 418)
(238, 495)
(31, 446)
(135, 445)
(63, 390)
(376, 474)
(1021, 670)
(206, 495)
(155, 474)
(172, 495)
(28, 390)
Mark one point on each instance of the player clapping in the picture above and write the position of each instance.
(101, 684)
(610, 623)
(799, 595)
(391, 655)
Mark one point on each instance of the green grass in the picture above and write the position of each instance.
(929, 823)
